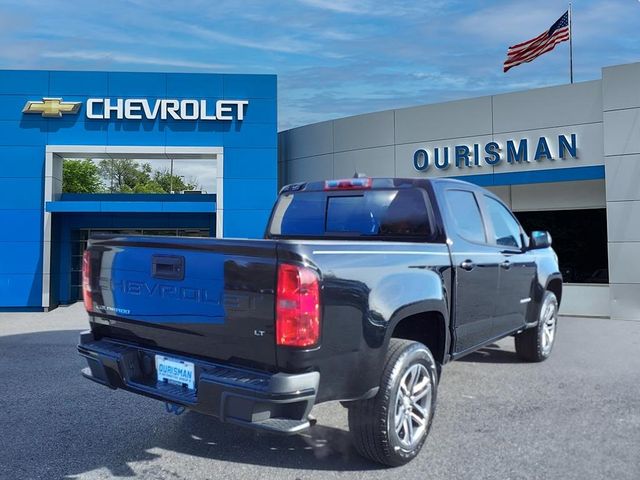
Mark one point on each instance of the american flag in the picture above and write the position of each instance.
(546, 41)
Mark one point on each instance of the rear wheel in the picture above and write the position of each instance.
(535, 344)
(392, 427)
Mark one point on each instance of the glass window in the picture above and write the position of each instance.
(127, 175)
(579, 239)
(466, 213)
(350, 215)
(506, 227)
(299, 214)
(373, 213)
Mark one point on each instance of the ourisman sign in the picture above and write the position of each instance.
(493, 153)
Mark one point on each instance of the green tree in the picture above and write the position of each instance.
(170, 182)
(80, 176)
(124, 175)
(149, 187)
(129, 176)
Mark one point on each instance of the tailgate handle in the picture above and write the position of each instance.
(167, 267)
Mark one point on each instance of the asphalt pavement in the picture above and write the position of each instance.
(575, 416)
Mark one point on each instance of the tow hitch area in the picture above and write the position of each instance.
(174, 408)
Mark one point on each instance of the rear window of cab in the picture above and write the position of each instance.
(389, 213)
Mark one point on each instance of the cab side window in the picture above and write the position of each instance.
(466, 214)
(506, 227)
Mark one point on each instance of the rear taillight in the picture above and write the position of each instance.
(297, 306)
(86, 281)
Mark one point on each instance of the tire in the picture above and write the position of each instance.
(535, 344)
(381, 426)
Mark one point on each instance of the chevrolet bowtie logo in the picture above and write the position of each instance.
(51, 107)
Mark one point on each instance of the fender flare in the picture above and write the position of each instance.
(533, 309)
(427, 306)
(554, 277)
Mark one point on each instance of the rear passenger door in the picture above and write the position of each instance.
(517, 267)
(476, 265)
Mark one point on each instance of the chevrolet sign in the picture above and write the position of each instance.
(141, 109)
(51, 107)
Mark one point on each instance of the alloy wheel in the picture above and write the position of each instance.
(549, 321)
(413, 405)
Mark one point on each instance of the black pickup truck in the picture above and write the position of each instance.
(360, 292)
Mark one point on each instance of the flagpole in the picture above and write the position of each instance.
(570, 44)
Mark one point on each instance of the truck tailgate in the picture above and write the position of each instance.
(203, 297)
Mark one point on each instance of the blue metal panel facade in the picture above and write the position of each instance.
(250, 159)
(593, 172)
(140, 203)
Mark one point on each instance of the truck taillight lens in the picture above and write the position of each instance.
(297, 306)
(86, 281)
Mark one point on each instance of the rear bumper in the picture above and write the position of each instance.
(278, 402)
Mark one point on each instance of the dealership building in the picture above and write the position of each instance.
(565, 158)
(226, 124)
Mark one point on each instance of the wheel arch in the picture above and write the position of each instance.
(428, 325)
(554, 285)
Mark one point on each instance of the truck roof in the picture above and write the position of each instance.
(382, 182)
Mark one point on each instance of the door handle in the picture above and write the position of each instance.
(506, 264)
(467, 265)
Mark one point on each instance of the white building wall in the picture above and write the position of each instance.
(621, 106)
(383, 143)
(555, 196)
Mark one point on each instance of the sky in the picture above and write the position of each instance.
(333, 58)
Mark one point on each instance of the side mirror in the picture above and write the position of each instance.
(540, 239)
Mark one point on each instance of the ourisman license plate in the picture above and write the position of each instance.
(175, 371)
